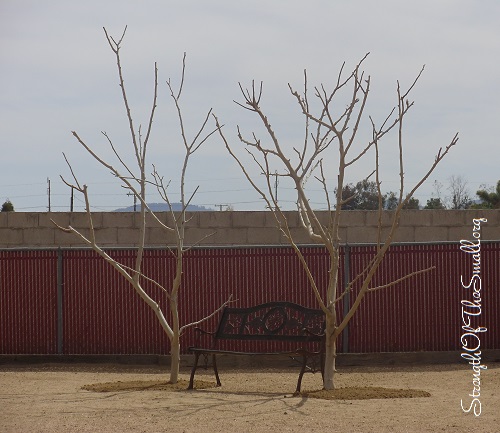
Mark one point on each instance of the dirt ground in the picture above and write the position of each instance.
(50, 398)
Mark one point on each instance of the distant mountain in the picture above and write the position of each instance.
(163, 207)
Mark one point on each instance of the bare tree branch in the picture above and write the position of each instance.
(399, 280)
(190, 325)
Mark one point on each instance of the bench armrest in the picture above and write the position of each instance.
(202, 331)
(313, 334)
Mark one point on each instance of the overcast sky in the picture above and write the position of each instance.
(58, 74)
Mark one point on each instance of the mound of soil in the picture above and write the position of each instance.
(364, 393)
(146, 385)
(347, 393)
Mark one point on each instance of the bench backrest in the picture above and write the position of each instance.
(276, 321)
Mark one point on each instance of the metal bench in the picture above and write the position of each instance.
(299, 330)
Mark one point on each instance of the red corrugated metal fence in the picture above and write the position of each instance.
(28, 302)
(73, 302)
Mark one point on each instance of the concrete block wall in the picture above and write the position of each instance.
(36, 230)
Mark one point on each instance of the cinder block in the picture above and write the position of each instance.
(353, 218)
(127, 236)
(107, 236)
(371, 235)
(192, 218)
(47, 220)
(456, 234)
(203, 236)
(248, 219)
(226, 237)
(38, 237)
(152, 220)
(11, 238)
(263, 236)
(300, 236)
(404, 234)
(416, 218)
(491, 215)
(63, 239)
(79, 220)
(215, 219)
(489, 233)
(97, 219)
(343, 235)
(292, 217)
(23, 219)
(4, 219)
(170, 219)
(322, 216)
(119, 219)
(489, 230)
(156, 236)
(431, 234)
(449, 218)
(372, 218)
(361, 234)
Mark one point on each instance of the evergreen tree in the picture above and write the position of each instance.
(434, 203)
(362, 196)
(8, 206)
(490, 198)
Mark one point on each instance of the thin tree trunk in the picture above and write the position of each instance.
(175, 350)
(175, 359)
(330, 354)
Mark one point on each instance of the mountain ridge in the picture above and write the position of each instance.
(163, 207)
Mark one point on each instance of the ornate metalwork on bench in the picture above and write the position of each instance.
(300, 329)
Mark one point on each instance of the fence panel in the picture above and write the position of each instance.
(28, 302)
(102, 312)
(423, 313)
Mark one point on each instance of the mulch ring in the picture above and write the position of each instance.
(364, 393)
(146, 385)
(347, 393)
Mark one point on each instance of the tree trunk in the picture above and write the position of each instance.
(330, 355)
(175, 351)
(175, 358)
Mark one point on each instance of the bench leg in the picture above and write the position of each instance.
(193, 370)
(216, 371)
(301, 374)
(195, 367)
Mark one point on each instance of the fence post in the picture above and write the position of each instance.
(347, 297)
(60, 285)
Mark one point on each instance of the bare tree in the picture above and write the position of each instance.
(326, 131)
(135, 181)
(459, 193)
(437, 200)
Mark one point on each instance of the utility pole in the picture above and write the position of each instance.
(71, 202)
(220, 206)
(135, 200)
(48, 190)
(276, 182)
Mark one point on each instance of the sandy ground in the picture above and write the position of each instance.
(49, 398)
